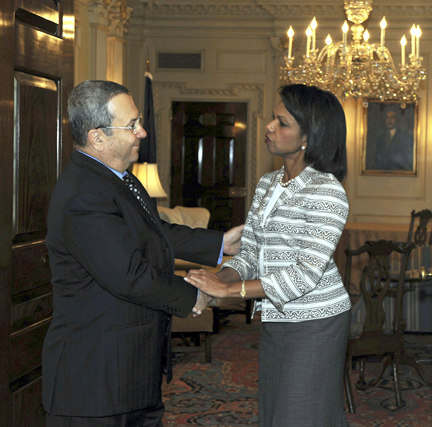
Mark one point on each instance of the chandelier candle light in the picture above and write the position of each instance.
(359, 68)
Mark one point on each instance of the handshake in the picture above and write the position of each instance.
(215, 285)
(224, 283)
(209, 285)
(202, 302)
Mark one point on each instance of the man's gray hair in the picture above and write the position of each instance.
(88, 107)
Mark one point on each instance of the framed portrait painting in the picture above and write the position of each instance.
(390, 138)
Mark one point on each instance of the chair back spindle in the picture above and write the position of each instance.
(419, 237)
(376, 280)
(374, 285)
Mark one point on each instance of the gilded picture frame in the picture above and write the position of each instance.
(389, 138)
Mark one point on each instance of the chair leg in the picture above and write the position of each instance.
(216, 320)
(361, 383)
(348, 391)
(196, 339)
(405, 358)
(384, 364)
(208, 348)
(399, 401)
(248, 311)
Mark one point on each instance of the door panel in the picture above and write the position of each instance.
(37, 76)
(208, 150)
(36, 146)
(27, 56)
(26, 345)
(30, 266)
(27, 407)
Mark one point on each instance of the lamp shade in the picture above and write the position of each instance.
(148, 175)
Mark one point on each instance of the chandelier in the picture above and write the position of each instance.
(359, 68)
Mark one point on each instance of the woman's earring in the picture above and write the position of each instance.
(303, 147)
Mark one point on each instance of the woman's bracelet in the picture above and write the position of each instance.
(243, 290)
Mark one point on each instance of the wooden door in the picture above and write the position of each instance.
(208, 159)
(36, 41)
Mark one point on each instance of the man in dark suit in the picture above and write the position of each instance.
(112, 263)
(393, 149)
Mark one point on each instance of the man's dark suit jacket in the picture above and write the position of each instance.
(114, 293)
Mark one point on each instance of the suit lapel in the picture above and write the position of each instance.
(101, 170)
(157, 225)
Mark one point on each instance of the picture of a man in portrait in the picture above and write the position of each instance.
(393, 148)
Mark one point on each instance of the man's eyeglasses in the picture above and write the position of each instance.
(133, 128)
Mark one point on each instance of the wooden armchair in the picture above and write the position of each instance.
(419, 237)
(421, 256)
(192, 217)
(372, 339)
(418, 299)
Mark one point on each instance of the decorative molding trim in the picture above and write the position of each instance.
(119, 17)
(236, 92)
(276, 48)
(114, 14)
(402, 10)
(204, 9)
(207, 10)
(98, 12)
(276, 9)
(305, 10)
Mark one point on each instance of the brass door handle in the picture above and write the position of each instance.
(425, 275)
(45, 260)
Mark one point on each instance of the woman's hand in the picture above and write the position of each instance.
(208, 282)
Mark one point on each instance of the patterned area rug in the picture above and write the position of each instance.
(223, 393)
(377, 406)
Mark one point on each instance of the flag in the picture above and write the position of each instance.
(147, 152)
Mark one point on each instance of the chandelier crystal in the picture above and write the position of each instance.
(359, 68)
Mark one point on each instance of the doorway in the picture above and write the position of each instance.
(208, 159)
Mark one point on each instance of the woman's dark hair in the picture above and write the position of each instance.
(322, 119)
(88, 107)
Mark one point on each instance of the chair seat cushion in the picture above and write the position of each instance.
(203, 323)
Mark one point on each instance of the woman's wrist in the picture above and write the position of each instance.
(234, 289)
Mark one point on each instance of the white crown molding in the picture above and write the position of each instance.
(277, 9)
(404, 11)
(198, 8)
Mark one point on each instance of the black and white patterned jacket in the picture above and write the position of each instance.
(298, 239)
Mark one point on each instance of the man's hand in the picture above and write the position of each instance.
(202, 302)
(232, 240)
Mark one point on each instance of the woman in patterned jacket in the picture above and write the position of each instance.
(286, 262)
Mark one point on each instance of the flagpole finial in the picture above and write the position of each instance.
(147, 73)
